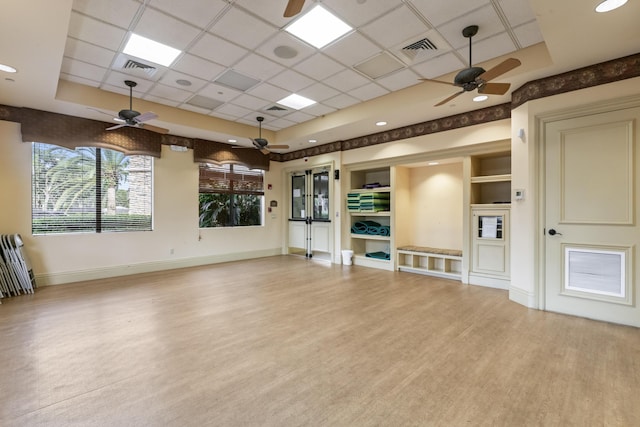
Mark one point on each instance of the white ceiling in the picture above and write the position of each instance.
(73, 52)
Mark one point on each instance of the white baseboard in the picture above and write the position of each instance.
(489, 282)
(522, 297)
(147, 267)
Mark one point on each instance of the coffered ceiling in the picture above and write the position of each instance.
(238, 61)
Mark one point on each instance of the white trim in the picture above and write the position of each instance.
(147, 267)
(522, 297)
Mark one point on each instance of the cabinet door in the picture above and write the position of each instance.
(490, 242)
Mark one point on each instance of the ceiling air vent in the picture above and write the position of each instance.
(132, 65)
(424, 44)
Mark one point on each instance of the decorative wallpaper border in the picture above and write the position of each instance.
(582, 78)
(55, 127)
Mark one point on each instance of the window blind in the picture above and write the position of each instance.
(89, 189)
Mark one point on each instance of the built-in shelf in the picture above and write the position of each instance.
(370, 237)
(431, 264)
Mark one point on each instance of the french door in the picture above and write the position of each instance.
(310, 227)
(592, 190)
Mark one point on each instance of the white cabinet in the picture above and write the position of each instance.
(490, 247)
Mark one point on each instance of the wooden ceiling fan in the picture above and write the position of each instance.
(293, 8)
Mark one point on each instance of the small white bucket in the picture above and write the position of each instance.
(347, 257)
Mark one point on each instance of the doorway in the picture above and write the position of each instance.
(592, 199)
(310, 226)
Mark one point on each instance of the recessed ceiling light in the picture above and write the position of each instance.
(7, 69)
(433, 163)
(150, 50)
(183, 82)
(318, 27)
(480, 98)
(296, 101)
(233, 140)
(312, 141)
(609, 5)
(381, 123)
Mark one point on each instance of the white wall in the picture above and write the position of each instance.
(72, 257)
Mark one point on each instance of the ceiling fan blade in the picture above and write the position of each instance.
(145, 117)
(293, 8)
(116, 127)
(278, 147)
(437, 81)
(264, 151)
(494, 88)
(444, 101)
(501, 68)
(153, 128)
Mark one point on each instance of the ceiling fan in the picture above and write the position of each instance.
(133, 118)
(262, 144)
(293, 8)
(476, 77)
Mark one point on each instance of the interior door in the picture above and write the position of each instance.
(310, 227)
(592, 188)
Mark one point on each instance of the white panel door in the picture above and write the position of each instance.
(591, 187)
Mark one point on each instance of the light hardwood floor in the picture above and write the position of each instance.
(283, 341)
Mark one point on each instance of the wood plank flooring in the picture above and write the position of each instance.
(283, 341)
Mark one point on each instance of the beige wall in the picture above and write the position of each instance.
(435, 213)
(527, 240)
(67, 258)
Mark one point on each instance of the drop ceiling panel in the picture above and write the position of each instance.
(352, 49)
(95, 32)
(302, 50)
(485, 18)
(528, 34)
(318, 66)
(439, 66)
(399, 80)
(219, 92)
(117, 79)
(251, 102)
(168, 92)
(292, 81)
(341, 101)
(269, 92)
(258, 66)
(234, 110)
(405, 25)
(80, 80)
(346, 80)
(89, 53)
(82, 69)
(159, 100)
(440, 12)
(198, 67)
(368, 91)
(116, 12)
(319, 110)
(170, 78)
(358, 13)
(196, 12)
(165, 29)
(318, 92)
(499, 44)
(517, 12)
(218, 50)
(243, 29)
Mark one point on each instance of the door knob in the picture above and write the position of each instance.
(553, 232)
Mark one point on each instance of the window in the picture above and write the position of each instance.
(89, 190)
(230, 196)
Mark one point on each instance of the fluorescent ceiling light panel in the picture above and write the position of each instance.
(296, 101)
(318, 27)
(150, 50)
